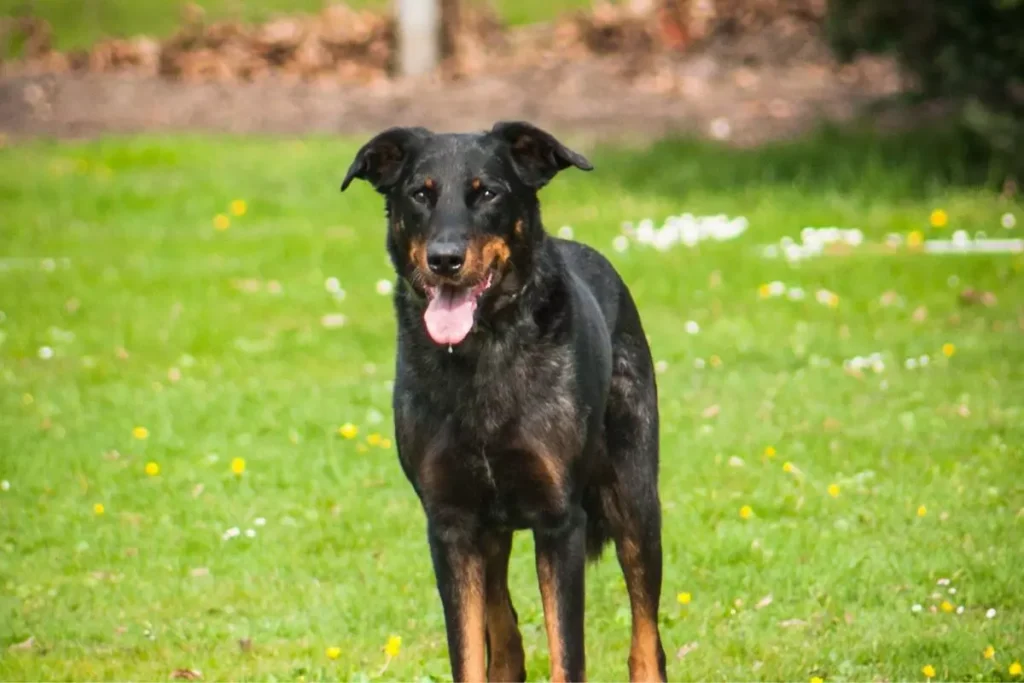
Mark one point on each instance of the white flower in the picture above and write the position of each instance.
(620, 243)
(332, 285)
(923, 360)
(952, 591)
(916, 608)
(231, 533)
(565, 232)
(1008, 220)
(720, 128)
(735, 461)
(660, 367)
(45, 352)
(990, 613)
(385, 287)
(250, 533)
(910, 363)
(692, 327)
(374, 416)
(776, 288)
(259, 521)
(960, 609)
(5, 485)
(699, 363)
(943, 582)
(796, 294)
(333, 320)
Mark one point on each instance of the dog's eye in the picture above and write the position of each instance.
(487, 194)
(421, 196)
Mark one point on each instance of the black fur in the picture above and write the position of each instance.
(544, 417)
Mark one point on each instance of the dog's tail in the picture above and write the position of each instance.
(602, 514)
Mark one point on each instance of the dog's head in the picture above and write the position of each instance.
(462, 213)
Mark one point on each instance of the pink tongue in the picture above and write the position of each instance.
(449, 315)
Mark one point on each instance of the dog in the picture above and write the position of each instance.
(524, 394)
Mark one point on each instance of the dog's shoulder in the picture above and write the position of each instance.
(595, 272)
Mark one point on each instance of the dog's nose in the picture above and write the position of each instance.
(445, 258)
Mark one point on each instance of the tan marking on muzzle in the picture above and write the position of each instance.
(418, 254)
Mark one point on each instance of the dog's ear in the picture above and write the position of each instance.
(537, 155)
(381, 160)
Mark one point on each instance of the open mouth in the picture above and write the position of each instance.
(450, 310)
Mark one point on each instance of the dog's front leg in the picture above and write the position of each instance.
(561, 563)
(459, 570)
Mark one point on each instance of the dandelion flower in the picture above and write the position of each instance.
(939, 218)
(946, 606)
(833, 490)
(817, 679)
(140, 433)
(914, 239)
(787, 467)
(221, 222)
(385, 443)
(684, 598)
(764, 291)
(238, 466)
(1015, 669)
(98, 509)
(333, 652)
(393, 646)
(922, 511)
(239, 207)
(374, 439)
(928, 670)
(769, 452)
(715, 361)
(746, 511)
(348, 430)
(152, 469)
(948, 350)
(989, 653)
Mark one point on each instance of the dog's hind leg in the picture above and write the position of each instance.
(506, 660)
(631, 433)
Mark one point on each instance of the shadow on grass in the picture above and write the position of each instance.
(907, 165)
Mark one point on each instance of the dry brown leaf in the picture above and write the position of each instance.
(186, 675)
(711, 411)
(764, 602)
(792, 623)
(24, 645)
(686, 649)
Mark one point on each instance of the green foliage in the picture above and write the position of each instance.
(969, 51)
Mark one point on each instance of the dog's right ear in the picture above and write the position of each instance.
(381, 160)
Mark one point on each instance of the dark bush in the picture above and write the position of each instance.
(970, 52)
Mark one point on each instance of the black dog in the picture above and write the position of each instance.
(524, 394)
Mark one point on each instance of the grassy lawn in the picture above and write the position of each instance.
(170, 342)
(79, 23)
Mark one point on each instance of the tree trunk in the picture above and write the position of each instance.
(419, 36)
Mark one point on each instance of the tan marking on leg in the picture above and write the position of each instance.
(643, 650)
(549, 598)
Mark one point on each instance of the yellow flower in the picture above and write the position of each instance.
(221, 222)
(833, 300)
(238, 207)
(769, 452)
(152, 469)
(348, 430)
(922, 511)
(333, 652)
(989, 652)
(915, 238)
(948, 350)
(393, 646)
(833, 490)
(928, 670)
(238, 466)
(939, 218)
(140, 433)
(98, 508)
(946, 606)
(1015, 669)
(684, 598)
(715, 360)
(817, 679)
(746, 511)
(787, 467)
(373, 439)
(385, 443)
(764, 291)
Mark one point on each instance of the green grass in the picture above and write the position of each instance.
(80, 23)
(150, 586)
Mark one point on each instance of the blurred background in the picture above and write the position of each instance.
(814, 202)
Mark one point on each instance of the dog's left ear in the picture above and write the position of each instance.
(538, 156)
(381, 160)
